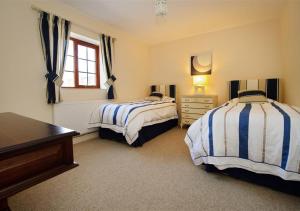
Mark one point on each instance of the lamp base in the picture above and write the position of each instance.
(199, 89)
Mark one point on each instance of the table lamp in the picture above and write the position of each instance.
(199, 83)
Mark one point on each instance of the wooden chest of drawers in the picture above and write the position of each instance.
(31, 152)
(195, 106)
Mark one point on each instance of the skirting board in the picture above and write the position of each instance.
(85, 137)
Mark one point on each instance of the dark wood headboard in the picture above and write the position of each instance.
(270, 86)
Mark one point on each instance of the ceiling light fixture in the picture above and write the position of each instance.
(161, 7)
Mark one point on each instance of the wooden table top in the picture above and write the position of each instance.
(17, 132)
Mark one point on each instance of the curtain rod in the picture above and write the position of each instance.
(76, 24)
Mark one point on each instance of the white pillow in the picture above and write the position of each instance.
(168, 99)
(253, 99)
(153, 98)
(252, 92)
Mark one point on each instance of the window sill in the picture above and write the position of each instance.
(80, 87)
(83, 88)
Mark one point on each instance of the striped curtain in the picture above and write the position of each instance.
(106, 45)
(55, 34)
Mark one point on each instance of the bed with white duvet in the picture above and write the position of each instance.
(259, 137)
(137, 122)
(129, 118)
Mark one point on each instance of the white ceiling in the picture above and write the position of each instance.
(185, 17)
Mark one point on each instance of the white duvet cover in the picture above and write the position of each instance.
(262, 138)
(129, 118)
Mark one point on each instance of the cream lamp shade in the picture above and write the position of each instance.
(200, 82)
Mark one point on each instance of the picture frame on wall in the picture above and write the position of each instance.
(201, 64)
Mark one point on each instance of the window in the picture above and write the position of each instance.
(82, 65)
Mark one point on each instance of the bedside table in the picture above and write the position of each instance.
(195, 106)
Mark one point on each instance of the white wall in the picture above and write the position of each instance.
(248, 52)
(22, 82)
(251, 51)
(291, 50)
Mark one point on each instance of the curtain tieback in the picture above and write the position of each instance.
(52, 76)
(110, 81)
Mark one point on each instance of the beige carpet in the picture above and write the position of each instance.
(158, 176)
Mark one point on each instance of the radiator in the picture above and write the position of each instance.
(75, 115)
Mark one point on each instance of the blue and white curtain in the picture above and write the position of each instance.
(106, 46)
(55, 34)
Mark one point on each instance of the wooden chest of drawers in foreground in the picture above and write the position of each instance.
(195, 106)
(31, 152)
